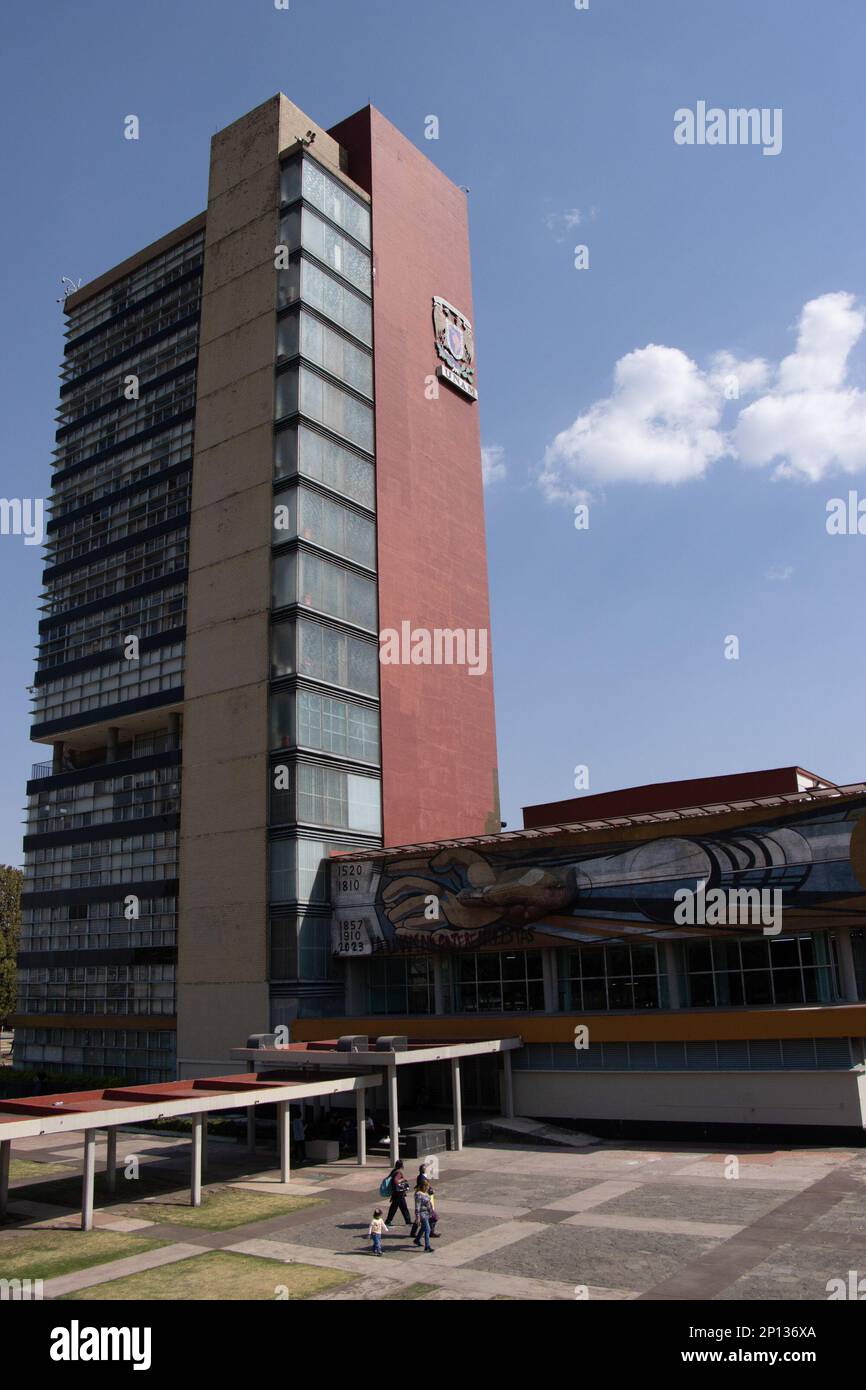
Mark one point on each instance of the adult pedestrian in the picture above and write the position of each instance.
(423, 1213)
(398, 1187)
(299, 1134)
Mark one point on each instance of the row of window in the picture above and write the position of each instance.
(147, 615)
(307, 719)
(789, 970)
(123, 469)
(301, 390)
(128, 419)
(299, 870)
(150, 361)
(121, 1000)
(137, 564)
(301, 333)
(300, 948)
(155, 792)
(764, 1054)
(117, 681)
(99, 925)
(304, 648)
(90, 863)
(300, 227)
(304, 178)
(157, 274)
(303, 282)
(308, 793)
(304, 514)
(299, 450)
(148, 973)
(139, 1054)
(325, 796)
(88, 354)
(314, 582)
(150, 506)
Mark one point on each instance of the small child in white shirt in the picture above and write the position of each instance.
(377, 1230)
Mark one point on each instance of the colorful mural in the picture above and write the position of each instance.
(801, 868)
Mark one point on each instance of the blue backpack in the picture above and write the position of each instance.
(385, 1187)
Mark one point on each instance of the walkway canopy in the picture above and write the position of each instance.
(359, 1053)
(110, 1109)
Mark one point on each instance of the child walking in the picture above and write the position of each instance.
(377, 1230)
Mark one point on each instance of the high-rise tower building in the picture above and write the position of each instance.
(268, 455)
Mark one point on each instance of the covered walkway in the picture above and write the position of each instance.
(111, 1109)
(364, 1054)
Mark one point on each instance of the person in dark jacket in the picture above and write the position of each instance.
(399, 1188)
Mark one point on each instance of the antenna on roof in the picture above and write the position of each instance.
(69, 287)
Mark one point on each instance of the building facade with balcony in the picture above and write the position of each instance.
(260, 464)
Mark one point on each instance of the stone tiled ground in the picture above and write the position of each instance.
(579, 1256)
(629, 1221)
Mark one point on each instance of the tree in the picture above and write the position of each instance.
(10, 931)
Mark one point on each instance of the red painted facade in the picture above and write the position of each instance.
(438, 723)
(670, 796)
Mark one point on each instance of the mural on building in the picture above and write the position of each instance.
(802, 867)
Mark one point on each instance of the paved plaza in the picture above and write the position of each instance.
(618, 1220)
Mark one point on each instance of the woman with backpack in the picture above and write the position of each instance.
(396, 1186)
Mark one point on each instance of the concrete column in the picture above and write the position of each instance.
(509, 1085)
(111, 1160)
(360, 1117)
(438, 986)
(195, 1176)
(111, 745)
(551, 981)
(57, 757)
(174, 730)
(458, 1102)
(393, 1115)
(672, 972)
(88, 1180)
(284, 1138)
(846, 963)
(5, 1161)
(204, 1148)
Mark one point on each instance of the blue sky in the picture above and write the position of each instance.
(608, 643)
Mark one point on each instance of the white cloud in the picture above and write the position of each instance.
(735, 378)
(559, 223)
(662, 422)
(492, 464)
(659, 425)
(780, 571)
(811, 421)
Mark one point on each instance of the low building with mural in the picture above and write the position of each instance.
(681, 962)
